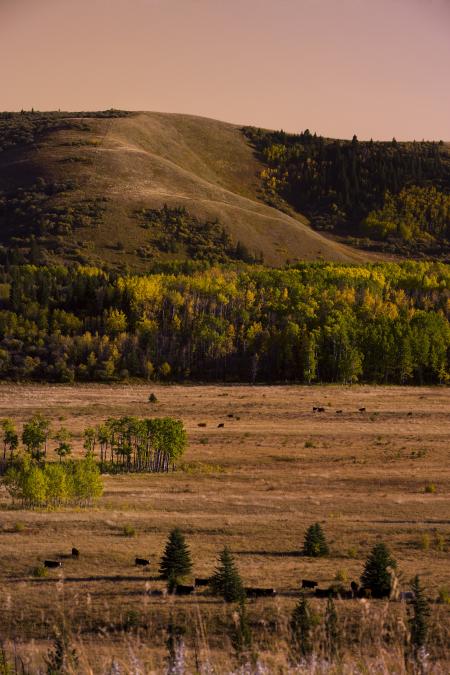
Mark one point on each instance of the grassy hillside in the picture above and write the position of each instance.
(89, 188)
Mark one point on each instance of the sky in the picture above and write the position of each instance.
(375, 68)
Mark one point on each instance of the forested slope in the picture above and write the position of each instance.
(311, 323)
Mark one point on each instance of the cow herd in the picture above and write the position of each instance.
(321, 409)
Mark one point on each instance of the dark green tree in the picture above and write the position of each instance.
(418, 621)
(226, 580)
(332, 632)
(376, 576)
(315, 544)
(301, 625)
(176, 560)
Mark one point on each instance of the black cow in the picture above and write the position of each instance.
(362, 409)
(52, 564)
(143, 562)
(219, 426)
(325, 593)
(320, 409)
(202, 581)
(230, 415)
(307, 583)
(260, 592)
(339, 412)
(201, 424)
(355, 589)
(75, 553)
(184, 590)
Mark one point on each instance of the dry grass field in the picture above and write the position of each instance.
(255, 484)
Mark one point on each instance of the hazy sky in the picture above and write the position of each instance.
(377, 68)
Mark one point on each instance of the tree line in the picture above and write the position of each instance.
(118, 444)
(318, 322)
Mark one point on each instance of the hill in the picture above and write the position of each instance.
(91, 187)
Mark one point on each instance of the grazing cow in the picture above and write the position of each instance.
(52, 564)
(355, 589)
(221, 425)
(75, 553)
(156, 592)
(410, 414)
(307, 583)
(143, 562)
(407, 596)
(202, 581)
(184, 590)
(260, 592)
(315, 408)
(325, 593)
(339, 412)
(362, 409)
(201, 424)
(230, 415)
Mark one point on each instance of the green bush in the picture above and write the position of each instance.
(315, 544)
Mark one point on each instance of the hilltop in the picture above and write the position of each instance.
(89, 188)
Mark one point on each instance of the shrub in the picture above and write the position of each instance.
(430, 488)
(315, 544)
(226, 580)
(176, 559)
(377, 576)
(128, 531)
(444, 595)
(39, 571)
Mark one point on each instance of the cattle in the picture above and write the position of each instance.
(221, 425)
(407, 596)
(339, 412)
(410, 414)
(362, 409)
(143, 562)
(355, 588)
(52, 564)
(314, 408)
(320, 409)
(260, 592)
(75, 553)
(180, 589)
(307, 583)
(345, 595)
(325, 593)
(201, 424)
(230, 415)
(202, 581)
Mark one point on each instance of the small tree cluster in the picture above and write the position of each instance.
(53, 485)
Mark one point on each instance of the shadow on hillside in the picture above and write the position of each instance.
(273, 554)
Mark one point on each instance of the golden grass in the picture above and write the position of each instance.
(148, 159)
(255, 485)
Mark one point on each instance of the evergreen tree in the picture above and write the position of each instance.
(376, 576)
(226, 580)
(176, 560)
(315, 545)
(418, 621)
(301, 626)
(332, 632)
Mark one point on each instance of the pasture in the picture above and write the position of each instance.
(255, 484)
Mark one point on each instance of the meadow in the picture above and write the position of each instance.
(255, 484)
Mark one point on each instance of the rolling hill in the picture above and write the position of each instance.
(90, 188)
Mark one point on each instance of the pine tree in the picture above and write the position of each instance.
(376, 576)
(315, 544)
(301, 627)
(332, 632)
(418, 621)
(226, 580)
(176, 560)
